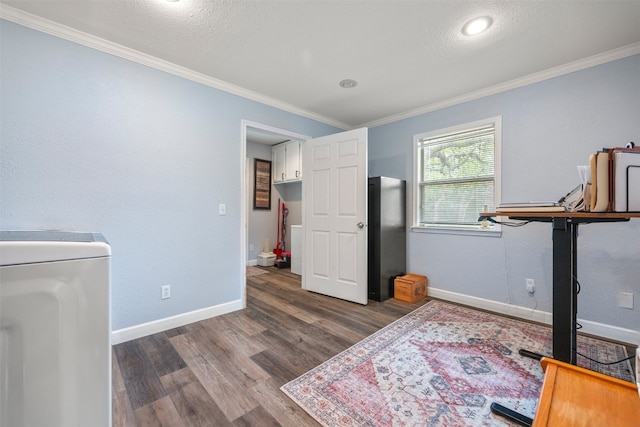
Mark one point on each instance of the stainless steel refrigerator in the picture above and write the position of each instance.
(386, 235)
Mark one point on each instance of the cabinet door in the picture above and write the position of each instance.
(279, 162)
(293, 169)
(300, 160)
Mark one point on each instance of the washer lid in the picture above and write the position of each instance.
(28, 247)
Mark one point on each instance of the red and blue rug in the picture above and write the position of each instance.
(441, 365)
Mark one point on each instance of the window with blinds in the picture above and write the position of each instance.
(456, 171)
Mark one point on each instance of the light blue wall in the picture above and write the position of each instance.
(94, 142)
(548, 129)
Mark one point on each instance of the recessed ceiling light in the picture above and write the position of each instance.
(476, 26)
(348, 83)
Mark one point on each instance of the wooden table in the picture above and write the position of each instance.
(572, 396)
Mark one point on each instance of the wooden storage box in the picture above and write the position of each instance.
(410, 287)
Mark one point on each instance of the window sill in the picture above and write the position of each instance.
(489, 232)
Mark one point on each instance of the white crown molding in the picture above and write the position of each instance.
(55, 29)
(581, 64)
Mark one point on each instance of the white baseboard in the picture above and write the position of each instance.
(142, 330)
(593, 328)
(628, 336)
(252, 263)
(598, 329)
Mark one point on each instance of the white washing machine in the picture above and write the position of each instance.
(55, 329)
(296, 249)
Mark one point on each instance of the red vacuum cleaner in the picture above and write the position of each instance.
(283, 258)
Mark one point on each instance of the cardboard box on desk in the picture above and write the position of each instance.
(626, 181)
(410, 287)
(615, 180)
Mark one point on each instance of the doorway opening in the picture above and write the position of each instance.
(259, 226)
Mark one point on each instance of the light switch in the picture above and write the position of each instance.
(222, 209)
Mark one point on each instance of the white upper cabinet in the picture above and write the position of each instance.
(278, 160)
(293, 163)
(287, 162)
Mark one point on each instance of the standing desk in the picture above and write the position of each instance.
(565, 273)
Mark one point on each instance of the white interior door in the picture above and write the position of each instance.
(335, 215)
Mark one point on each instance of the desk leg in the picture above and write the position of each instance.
(565, 299)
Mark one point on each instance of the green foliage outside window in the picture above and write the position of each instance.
(456, 177)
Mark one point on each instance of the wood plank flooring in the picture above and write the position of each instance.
(227, 371)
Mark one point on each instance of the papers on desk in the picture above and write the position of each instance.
(610, 184)
(572, 201)
(531, 207)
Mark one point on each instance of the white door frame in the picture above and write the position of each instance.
(244, 124)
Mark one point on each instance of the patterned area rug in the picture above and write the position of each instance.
(441, 365)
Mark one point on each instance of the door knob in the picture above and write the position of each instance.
(361, 225)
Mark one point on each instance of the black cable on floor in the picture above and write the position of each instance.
(604, 363)
(579, 326)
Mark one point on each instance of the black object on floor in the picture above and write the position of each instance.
(530, 354)
(517, 418)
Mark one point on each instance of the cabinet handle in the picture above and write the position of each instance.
(282, 175)
(297, 174)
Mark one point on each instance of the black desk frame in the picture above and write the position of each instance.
(565, 285)
(565, 275)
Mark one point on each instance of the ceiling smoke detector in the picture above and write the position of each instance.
(348, 83)
(476, 26)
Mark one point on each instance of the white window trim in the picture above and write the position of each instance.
(493, 230)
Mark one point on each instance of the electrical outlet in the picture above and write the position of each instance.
(222, 209)
(250, 247)
(166, 291)
(625, 299)
(530, 285)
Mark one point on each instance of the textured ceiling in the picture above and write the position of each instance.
(405, 55)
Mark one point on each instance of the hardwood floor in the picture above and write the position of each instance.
(227, 371)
